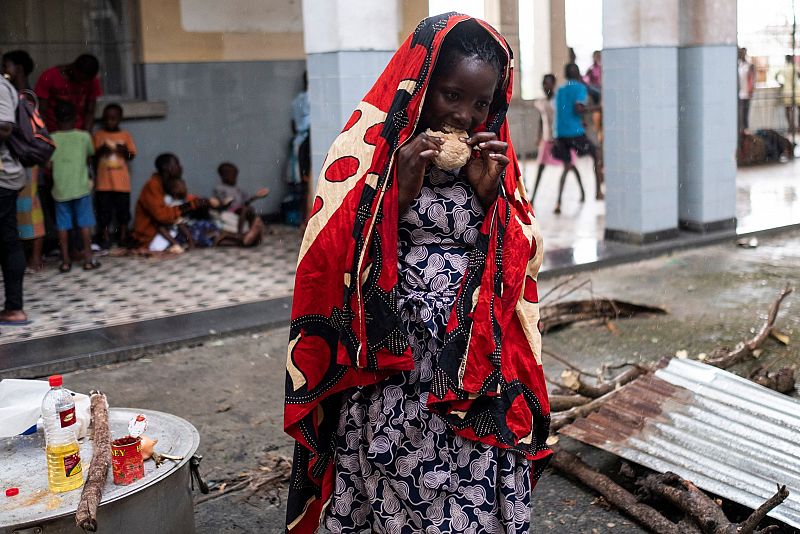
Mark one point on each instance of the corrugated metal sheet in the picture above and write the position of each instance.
(726, 434)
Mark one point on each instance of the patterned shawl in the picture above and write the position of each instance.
(346, 329)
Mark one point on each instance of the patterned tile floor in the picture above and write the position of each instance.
(131, 289)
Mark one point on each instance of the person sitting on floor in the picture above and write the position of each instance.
(174, 238)
(151, 209)
(71, 185)
(240, 224)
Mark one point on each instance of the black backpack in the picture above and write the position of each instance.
(29, 141)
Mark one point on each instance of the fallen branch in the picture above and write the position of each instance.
(701, 508)
(724, 358)
(86, 515)
(562, 419)
(273, 469)
(612, 492)
(564, 313)
(598, 390)
(560, 403)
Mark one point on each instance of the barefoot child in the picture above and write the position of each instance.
(114, 148)
(71, 186)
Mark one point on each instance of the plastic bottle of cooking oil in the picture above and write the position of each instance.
(64, 471)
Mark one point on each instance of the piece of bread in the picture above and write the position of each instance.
(454, 152)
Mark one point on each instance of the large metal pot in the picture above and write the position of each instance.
(160, 503)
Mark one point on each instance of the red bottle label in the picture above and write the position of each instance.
(72, 465)
(67, 417)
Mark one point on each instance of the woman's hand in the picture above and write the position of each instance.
(483, 172)
(412, 160)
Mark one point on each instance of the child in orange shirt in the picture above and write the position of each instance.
(113, 148)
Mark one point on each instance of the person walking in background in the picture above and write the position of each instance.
(746, 81)
(114, 148)
(547, 113)
(594, 76)
(76, 83)
(17, 67)
(71, 186)
(571, 104)
(12, 180)
(789, 78)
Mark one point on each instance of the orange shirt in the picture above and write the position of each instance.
(112, 169)
(152, 211)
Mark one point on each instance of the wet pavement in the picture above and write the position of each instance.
(767, 196)
(231, 388)
(133, 304)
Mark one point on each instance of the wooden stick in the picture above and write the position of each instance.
(597, 391)
(612, 492)
(700, 507)
(560, 403)
(562, 419)
(750, 524)
(727, 358)
(86, 515)
(687, 497)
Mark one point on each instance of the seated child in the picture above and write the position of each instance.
(235, 204)
(71, 186)
(170, 237)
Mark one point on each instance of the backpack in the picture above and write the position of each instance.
(29, 141)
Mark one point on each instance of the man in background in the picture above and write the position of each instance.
(12, 180)
(746, 80)
(76, 83)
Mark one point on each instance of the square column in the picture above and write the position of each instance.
(707, 117)
(348, 44)
(640, 115)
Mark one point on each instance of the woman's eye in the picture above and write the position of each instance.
(452, 97)
(482, 105)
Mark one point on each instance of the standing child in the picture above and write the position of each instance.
(114, 147)
(71, 186)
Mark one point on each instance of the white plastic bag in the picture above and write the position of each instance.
(21, 407)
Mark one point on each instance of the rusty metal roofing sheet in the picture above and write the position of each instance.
(726, 434)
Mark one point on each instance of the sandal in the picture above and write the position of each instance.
(91, 266)
(65, 268)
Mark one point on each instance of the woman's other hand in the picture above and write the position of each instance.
(483, 172)
(412, 160)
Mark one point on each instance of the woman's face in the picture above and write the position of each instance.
(459, 96)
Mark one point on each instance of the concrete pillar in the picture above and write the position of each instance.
(558, 38)
(348, 44)
(412, 12)
(707, 116)
(542, 26)
(640, 93)
(508, 26)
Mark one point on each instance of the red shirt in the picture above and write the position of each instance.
(53, 87)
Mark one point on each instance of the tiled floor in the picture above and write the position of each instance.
(767, 196)
(127, 290)
(131, 289)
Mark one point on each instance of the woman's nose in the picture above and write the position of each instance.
(463, 117)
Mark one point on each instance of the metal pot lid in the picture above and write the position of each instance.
(24, 466)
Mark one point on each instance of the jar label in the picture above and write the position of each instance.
(72, 465)
(67, 417)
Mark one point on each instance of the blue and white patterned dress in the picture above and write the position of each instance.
(399, 468)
